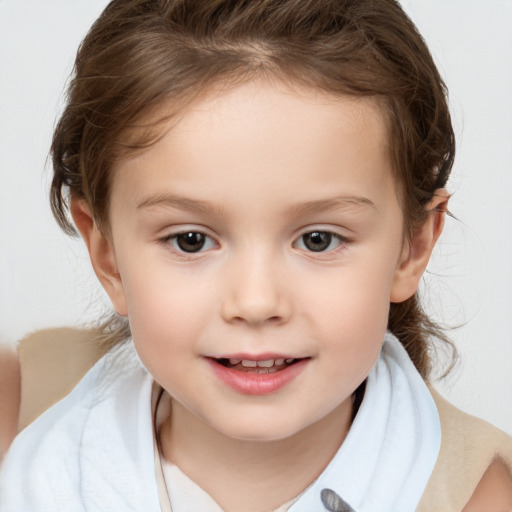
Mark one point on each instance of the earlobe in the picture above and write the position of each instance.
(417, 251)
(101, 253)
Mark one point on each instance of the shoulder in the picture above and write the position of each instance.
(78, 443)
(44, 369)
(494, 491)
(52, 362)
(475, 459)
(52, 441)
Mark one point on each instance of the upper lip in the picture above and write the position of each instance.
(255, 357)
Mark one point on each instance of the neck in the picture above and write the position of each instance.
(254, 476)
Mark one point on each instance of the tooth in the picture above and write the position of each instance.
(272, 370)
(266, 364)
(279, 362)
(289, 361)
(264, 370)
(249, 364)
(234, 361)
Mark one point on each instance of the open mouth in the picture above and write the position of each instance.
(257, 376)
(252, 366)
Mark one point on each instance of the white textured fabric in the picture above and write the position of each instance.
(93, 451)
(390, 451)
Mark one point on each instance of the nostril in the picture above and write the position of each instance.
(255, 300)
(256, 317)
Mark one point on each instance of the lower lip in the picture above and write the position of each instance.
(257, 383)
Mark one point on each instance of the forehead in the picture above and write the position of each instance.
(266, 135)
(250, 105)
(252, 99)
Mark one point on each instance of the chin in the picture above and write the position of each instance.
(261, 431)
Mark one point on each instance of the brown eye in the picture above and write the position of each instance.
(190, 242)
(317, 241)
(320, 241)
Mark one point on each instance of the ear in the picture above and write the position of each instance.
(101, 253)
(416, 252)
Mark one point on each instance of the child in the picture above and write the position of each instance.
(260, 186)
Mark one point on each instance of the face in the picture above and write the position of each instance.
(257, 247)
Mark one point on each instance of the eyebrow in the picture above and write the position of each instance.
(180, 202)
(308, 207)
(336, 203)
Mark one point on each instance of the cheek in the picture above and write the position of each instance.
(350, 314)
(355, 328)
(165, 311)
(357, 296)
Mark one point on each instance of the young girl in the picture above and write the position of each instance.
(260, 186)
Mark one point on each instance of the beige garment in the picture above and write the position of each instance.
(468, 447)
(52, 361)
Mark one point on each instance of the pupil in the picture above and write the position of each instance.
(317, 241)
(190, 242)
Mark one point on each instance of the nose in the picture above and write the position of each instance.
(255, 292)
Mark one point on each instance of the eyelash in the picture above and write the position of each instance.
(325, 237)
(174, 241)
(324, 242)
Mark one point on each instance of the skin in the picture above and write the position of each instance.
(255, 169)
(494, 491)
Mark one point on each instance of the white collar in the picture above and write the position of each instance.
(390, 451)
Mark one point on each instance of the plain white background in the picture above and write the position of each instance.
(45, 277)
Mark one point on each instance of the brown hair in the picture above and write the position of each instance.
(141, 54)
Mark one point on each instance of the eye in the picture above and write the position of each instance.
(319, 241)
(190, 242)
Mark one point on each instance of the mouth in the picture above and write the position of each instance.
(262, 376)
(257, 366)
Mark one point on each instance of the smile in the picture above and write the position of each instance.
(253, 366)
(257, 376)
